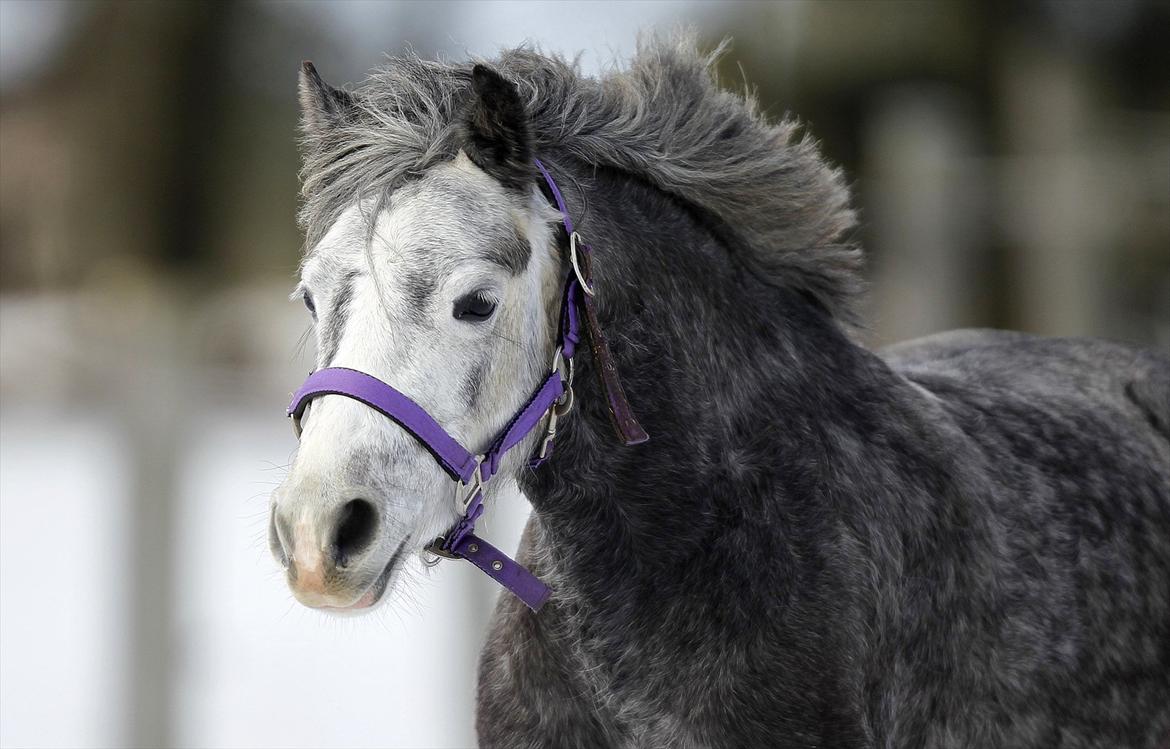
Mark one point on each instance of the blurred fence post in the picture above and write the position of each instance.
(154, 400)
(1059, 203)
(923, 193)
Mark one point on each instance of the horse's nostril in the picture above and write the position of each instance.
(357, 524)
(275, 540)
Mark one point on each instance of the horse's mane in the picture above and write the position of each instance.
(663, 119)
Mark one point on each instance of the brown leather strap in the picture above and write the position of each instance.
(621, 416)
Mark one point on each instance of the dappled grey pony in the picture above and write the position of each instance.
(963, 541)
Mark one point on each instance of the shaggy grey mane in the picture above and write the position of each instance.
(664, 119)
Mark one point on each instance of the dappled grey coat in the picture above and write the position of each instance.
(962, 541)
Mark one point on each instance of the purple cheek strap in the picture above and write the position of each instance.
(551, 401)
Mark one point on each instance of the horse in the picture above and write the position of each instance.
(959, 541)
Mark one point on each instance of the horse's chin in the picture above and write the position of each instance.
(375, 593)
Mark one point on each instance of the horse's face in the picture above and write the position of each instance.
(450, 298)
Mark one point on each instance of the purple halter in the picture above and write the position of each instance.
(553, 399)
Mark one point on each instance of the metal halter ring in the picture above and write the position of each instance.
(575, 238)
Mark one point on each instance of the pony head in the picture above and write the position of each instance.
(444, 284)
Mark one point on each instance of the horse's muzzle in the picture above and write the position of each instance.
(328, 556)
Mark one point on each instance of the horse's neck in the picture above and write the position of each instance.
(726, 374)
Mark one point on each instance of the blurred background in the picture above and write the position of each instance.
(1011, 161)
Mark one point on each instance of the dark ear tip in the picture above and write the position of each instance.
(309, 69)
(483, 77)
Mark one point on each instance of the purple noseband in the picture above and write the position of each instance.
(551, 400)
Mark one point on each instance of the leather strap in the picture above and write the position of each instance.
(621, 415)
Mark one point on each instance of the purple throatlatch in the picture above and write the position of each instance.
(552, 400)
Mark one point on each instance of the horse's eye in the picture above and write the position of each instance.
(474, 307)
(308, 298)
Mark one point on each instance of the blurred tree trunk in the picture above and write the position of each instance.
(122, 132)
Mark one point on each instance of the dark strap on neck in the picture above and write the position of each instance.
(621, 415)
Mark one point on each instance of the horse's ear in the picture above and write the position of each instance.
(322, 106)
(498, 136)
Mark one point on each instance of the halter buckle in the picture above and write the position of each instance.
(549, 434)
(436, 547)
(296, 417)
(473, 488)
(563, 405)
